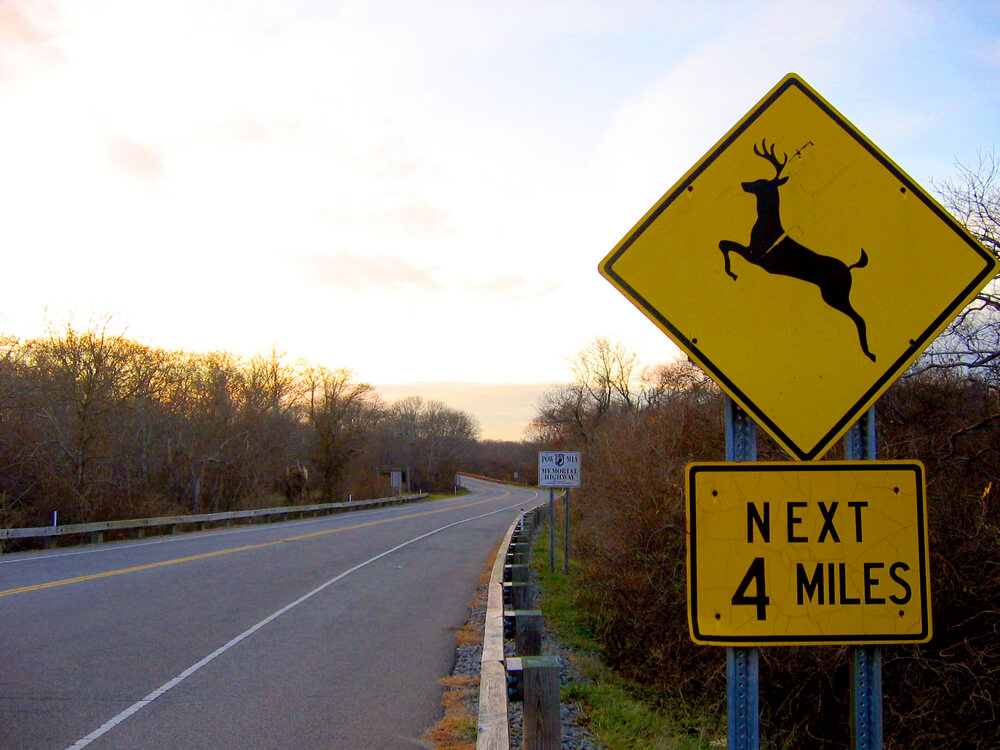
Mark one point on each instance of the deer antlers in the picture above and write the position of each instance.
(769, 156)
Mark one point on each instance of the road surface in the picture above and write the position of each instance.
(323, 633)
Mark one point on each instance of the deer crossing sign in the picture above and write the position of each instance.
(800, 267)
(807, 553)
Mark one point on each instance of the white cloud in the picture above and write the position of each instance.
(359, 275)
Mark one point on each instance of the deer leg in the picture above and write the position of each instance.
(727, 246)
(862, 333)
(837, 296)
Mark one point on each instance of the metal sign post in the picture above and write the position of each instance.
(866, 661)
(742, 664)
(566, 555)
(552, 530)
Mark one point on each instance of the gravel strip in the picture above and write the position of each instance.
(575, 735)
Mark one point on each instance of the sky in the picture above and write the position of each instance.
(418, 191)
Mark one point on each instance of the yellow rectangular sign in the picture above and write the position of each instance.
(829, 552)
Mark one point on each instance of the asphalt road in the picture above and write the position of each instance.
(323, 633)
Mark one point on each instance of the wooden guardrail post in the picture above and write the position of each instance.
(524, 626)
(518, 553)
(536, 682)
(516, 573)
(529, 524)
(517, 595)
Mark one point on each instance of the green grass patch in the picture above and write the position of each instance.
(619, 713)
(432, 496)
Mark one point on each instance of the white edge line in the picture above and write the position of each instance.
(139, 705)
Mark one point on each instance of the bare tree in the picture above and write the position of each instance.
(19, 447)
(427, 439)
(972, 342)
(605, 381)
(84, 379)
(342, 412)
(96, 426)
(681, 379)
(974, 198)
(605, 371)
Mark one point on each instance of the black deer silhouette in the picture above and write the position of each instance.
(774, 251)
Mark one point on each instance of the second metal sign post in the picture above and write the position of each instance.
(558, 469)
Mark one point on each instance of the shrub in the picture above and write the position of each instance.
(630, 543)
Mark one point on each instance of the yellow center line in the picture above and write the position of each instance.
(217, 553)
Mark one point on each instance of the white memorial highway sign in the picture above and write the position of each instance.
(558, 468)
(800, 267)
(830, 552)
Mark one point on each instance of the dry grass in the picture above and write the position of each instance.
(458, 728)
(452, 733)
(469, 634)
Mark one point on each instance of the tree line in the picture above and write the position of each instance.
(96, 426)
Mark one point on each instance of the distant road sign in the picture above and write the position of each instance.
(800, 267)
(807, 553)
(558, 468)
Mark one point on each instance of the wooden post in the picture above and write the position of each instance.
(539, 681)
(516, 573)
(527, 631)
(519, 553)
(517, 595)
(529, 524)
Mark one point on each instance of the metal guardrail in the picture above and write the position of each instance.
(96, 529)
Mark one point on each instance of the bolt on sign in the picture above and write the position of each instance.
(800, 267)
(830, 552)
(558, 468)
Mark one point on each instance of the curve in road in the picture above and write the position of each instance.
(331, 636)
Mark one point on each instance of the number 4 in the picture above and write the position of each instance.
(755, 574)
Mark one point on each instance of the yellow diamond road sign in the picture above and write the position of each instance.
(807, 553)
(800, 267)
